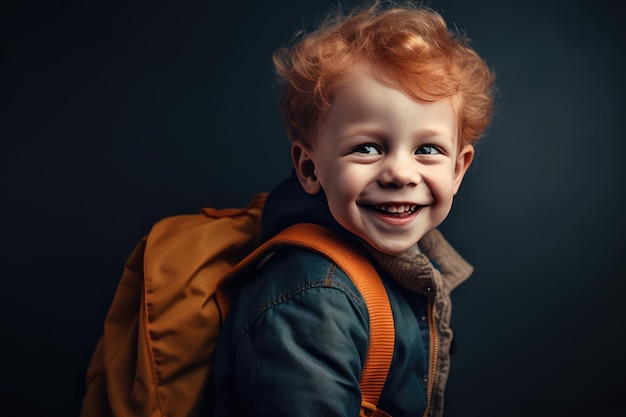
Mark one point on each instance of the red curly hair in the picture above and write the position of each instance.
(410, 45)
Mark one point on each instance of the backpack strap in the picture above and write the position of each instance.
(360, 270)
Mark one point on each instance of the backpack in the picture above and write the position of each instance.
(160, 333)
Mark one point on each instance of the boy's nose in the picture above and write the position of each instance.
(400, 172)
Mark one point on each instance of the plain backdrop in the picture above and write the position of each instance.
(117, 114)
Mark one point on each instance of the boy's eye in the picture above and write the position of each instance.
(427, 150)
(367, 149)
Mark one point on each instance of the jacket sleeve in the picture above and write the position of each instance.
(302, 352)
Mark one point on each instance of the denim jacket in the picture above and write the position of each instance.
(295, 341)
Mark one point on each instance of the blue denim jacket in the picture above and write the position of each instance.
(295, 341)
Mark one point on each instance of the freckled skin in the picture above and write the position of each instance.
(379, 146)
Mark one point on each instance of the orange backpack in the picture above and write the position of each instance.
(161, 330)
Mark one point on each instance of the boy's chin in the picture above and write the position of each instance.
(394, 249)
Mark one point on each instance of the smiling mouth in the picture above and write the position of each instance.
(399, 210)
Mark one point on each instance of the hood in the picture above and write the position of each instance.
(288, 204)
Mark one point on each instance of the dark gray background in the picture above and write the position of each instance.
(115, 115)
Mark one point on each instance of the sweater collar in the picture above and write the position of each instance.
(416, 271)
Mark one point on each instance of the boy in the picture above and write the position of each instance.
(382, 108)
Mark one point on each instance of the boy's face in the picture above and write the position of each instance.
(389, 165)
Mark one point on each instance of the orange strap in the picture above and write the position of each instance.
(367, 281)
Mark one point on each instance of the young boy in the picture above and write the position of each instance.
(382, 107)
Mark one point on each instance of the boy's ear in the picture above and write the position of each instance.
(304, 164)
(463, 161)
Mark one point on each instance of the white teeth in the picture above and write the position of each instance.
(396, 209)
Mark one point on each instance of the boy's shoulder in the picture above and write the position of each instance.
(291, 271)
